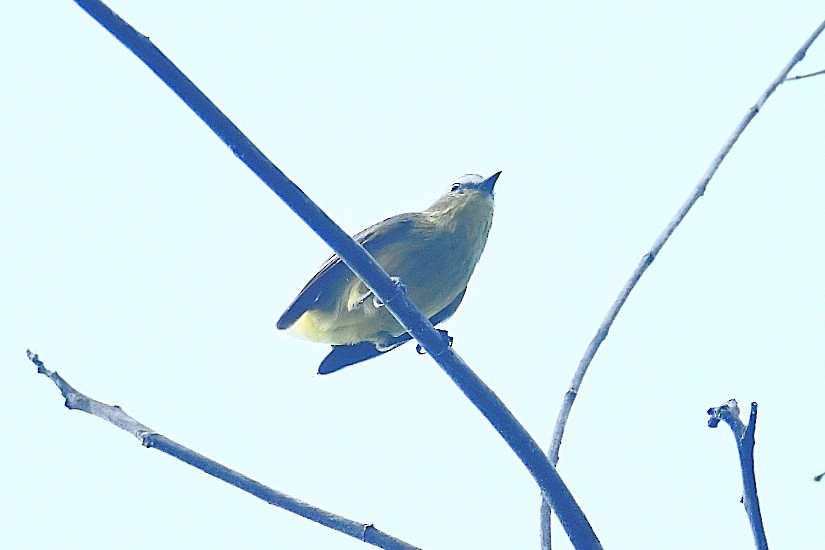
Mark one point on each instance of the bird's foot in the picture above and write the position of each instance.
(444, 334)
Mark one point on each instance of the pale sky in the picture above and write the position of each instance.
(148, 266)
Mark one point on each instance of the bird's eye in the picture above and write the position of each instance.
(455, 186)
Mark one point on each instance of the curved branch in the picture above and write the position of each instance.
(647, 259)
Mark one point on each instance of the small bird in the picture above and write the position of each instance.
(433, 253)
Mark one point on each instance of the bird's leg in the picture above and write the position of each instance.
(363, 298)
(444, 334)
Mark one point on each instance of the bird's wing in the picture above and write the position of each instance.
(344, 356)
(333, 275)
(448, 311)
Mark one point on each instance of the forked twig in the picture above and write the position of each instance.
(745, 442)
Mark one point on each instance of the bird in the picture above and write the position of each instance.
(433, 253)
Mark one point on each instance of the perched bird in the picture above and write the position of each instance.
(433, 253)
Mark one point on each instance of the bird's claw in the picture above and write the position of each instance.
(444, 334)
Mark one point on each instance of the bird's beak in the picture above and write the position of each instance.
(489, 183)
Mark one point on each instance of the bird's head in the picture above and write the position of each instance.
(475, 182)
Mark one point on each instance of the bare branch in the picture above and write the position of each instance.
(744, 436)
(647, 259)
(809, 75)
(153, 440)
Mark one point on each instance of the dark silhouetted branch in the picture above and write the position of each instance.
(744, 436)
(391, 293)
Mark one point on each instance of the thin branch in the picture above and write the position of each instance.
(809, 75)
(391, 293)
(153, 440)
(745, 442)
(647, 259)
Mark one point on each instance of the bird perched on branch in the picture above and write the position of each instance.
(433, 253)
